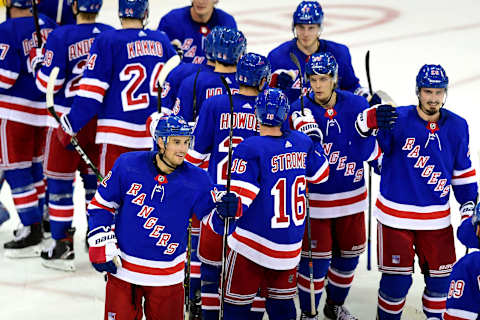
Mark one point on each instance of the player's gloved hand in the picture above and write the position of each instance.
(152, 122)
(306, 123)
(35, 59)
(364, 92)
(229, 206)
(103, 252)
(177, 45)
(476, 220)
(64, 132)
(380, 116)
(282, 80)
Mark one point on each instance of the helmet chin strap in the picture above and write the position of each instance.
(161, 156)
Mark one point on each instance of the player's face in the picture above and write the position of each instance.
(177, 147)
(203, 7)
(307, 34)
(431, 100)
(322, 86)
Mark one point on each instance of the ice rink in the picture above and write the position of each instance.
(401, 36)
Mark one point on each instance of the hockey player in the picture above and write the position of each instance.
(228, 46)
(188, 27)
(67, 48)
(425, 156)
(140, 213)
(23, 119)
(271, 180)
(307, 27)
(211, 138)
(463, 300)
(184, 70)
(119, 85)
(336, 206)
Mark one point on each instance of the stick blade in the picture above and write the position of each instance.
(167, 67)
(386, 98)
(51, 86)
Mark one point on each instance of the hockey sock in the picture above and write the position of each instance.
(24, 195)
(320, 267)
(195, 283)
(435, 296)
(340, 278)
(60, 206)
(258, 308)
(90, 186)
(391, 295)
(281, 309)
(39, 183)
(236, 312)
(210, 275)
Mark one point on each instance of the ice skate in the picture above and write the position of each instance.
(60, 255)
(337, 312)
(305, 316)
(46, 223)
(195, 309)
(26, 242)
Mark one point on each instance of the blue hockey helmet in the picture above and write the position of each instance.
(251, 69)
(271, 107)
(322, 63)
(89, 6)
(431, 76)
(169, 126)
(308, 12)
(228, 45)
(135, 9)
(24, 4)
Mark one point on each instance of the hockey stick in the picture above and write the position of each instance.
(369, 186)
(50, 106)
(59, 11)
(227, 221)
(162, 76)
(37, 23)
(313, 307)
(194, 106)
(294, 59)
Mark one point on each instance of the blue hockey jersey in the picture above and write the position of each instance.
(20, 100)
(174, 80)
(280, 61)
(463, 301)
(422, 161)
(179, 25)
(208, 84)
(150, 212)
(119, 85)
(211, 133)
(344, 193)
(67, 48)
(270, 175)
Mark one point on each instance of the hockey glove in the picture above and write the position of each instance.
(152, 122)
(380, 116)
(177, 45)
(103, 251)
(35, 60)
(64, 132)
(306, 123)
(476, 221)
(363, 92)
(229, 206)
(282, 80)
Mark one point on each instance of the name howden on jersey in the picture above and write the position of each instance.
(241, 120)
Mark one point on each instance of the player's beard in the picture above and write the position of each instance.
(430, 111)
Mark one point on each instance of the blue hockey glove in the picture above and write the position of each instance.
(380, 116)
(476, 220)
(283, 80)
(306, 123)
(103, 251)
(468, 231)
(229, 206)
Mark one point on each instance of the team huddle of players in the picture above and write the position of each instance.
(293, 213)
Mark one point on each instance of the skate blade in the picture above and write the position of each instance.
(59, 264)
(29, 252)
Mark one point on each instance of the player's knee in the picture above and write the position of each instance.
(395, 286)
(344, 264)
(320, 267)
(19, 178)
(281, 309)
(436, 286)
